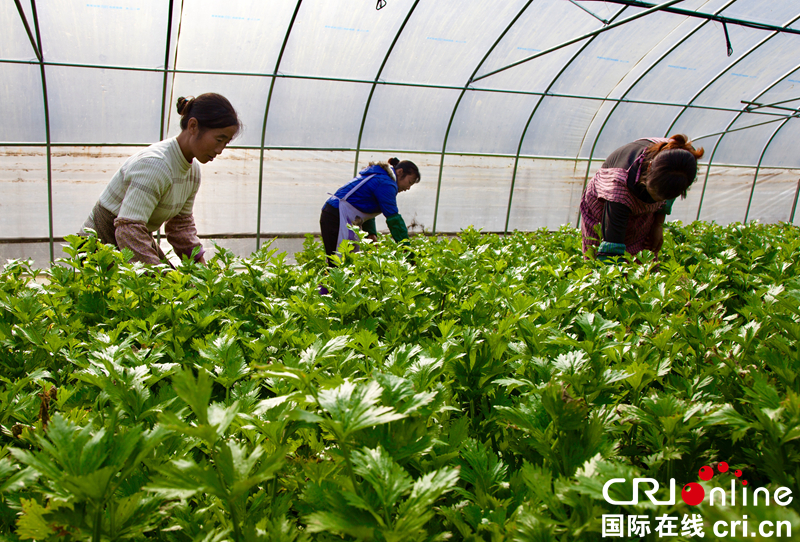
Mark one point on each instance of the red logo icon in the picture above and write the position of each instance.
(693, 493)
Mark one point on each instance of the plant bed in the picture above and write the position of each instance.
(493, 390)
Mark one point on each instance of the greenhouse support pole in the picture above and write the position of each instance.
(580, 38)
(758, 167)
(794, 205)
(164, 88)
(166, 72)
(530, 119)
(728, 128)
(40, 55)
(264, 127)
(632, 86)
(458, 102)
(375, 84)
(716, 17)
(754, 111)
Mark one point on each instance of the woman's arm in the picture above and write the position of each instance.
(182, 235)
(656, 238)
(397, 227)
(182, 232)
(615, 226)
(135, 237)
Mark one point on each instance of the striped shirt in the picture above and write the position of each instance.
(152, 186)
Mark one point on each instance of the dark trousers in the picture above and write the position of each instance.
(329, 227)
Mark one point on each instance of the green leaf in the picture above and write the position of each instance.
(352, 407)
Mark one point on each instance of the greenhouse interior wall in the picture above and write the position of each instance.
(507, 111)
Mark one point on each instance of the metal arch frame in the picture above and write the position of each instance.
(274, 76)
(706, 87)
(264, 126)
(530, 119)
(164, 87)
(375, 84)
(166, 72)
(633, 84)
(37, 47)
(581, 38)
(758, 167)
(716, 18)
(458, 102)
(794, 205)
(722, 136)
(754, 111)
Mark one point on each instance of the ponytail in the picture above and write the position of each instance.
(677, 141)
(407, 166)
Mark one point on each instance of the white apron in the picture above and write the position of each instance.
(350, 215)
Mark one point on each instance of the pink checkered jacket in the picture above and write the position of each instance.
(610, 184)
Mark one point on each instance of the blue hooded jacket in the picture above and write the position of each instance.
(378, 195)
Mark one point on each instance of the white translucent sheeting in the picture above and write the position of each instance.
(227, 202)
(609, 56)
(88, 32)
(783, 149)
(80, 174)
(408, 118)
(103, 106)
(725, 194)
(309, 113)
(547, 193)
(692, 65)
(552, 133)
(619, 130)
(248, 95)
(541, 27)
(23, 186)
(699, 125)
(754, 74)
(22, 112)
(347, 42)
(417, 204)
(474, 192)
(488, 122)
(774, 195)
(445, 41)
(775, 13)
(14, 41)
(241, 36)
(296, 186)
(745, 146)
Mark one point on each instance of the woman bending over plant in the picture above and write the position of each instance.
(157, 186)
(628, 198)
(372, 192)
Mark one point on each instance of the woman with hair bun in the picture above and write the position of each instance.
(373, 192)
(157, 185)
(629, 197)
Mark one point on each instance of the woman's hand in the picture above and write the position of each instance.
(372, 237)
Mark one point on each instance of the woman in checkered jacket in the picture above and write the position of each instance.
(157, 185)
(624, 205)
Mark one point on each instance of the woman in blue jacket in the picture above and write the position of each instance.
(373, 192)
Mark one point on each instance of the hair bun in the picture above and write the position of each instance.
(394, 161)
(184, 105)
